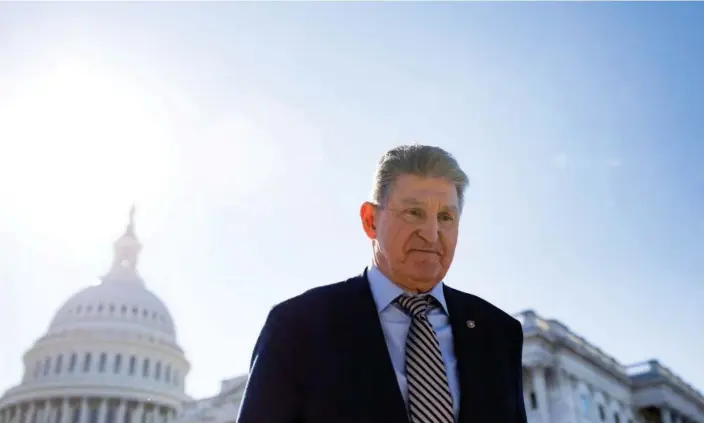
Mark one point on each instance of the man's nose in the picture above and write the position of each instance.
(429, 230)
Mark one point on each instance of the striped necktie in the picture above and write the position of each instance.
(429, 398)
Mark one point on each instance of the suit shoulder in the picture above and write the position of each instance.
(487, 309)
(316, 298)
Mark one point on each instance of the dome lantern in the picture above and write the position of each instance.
(126, 255)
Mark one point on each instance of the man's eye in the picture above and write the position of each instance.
(414, 212)
(446, 217)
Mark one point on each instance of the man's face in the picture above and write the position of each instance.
(415, 232)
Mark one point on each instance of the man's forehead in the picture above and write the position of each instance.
(415, 190)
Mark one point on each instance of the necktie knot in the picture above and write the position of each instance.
(415, 305)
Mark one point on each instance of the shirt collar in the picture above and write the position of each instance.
(385, 292)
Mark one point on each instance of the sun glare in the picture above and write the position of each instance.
(78, 144)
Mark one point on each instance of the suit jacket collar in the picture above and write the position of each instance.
(469, 333)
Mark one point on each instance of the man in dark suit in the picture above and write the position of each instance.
(394, 344)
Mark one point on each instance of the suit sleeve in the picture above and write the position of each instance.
(517, 358)
(273, 393)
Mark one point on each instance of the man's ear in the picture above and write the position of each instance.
(368, 215)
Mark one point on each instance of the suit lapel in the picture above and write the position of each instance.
(468, 332)
(368, 366)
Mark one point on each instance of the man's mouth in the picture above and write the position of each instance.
(425, 251)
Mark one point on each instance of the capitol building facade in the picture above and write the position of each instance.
(111, 355)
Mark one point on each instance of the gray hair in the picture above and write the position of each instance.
(420, 160)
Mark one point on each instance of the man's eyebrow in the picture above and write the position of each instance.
(415, 202)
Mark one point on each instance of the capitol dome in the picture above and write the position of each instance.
(110, 355)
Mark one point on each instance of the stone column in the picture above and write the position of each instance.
(103, 411)
(120, 415)
(30, 413)
(569, 411)
(66, 411)
(541, 393)
(84, 411)
(48, 411)
(666, 415)
(138, 412)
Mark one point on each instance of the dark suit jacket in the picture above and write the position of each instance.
(322, 358)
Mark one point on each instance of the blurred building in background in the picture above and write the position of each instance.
(110, 356)
(568, 380)
(221, 408)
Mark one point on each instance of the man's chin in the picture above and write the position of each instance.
(427, 272)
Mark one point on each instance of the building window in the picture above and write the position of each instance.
(533, 401)
(133, 364)
(93, 415)
(77, 415)
(145, 368)
(167, 373)
(47, 365)
(103, 361)
(157, 371)
(118, 363)
(617, 419)
(59, 362)
(602, 414)
(72, 363)
(86, 363)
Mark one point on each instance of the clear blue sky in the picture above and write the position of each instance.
(248, 134)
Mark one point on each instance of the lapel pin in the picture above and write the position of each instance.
(471, 324)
